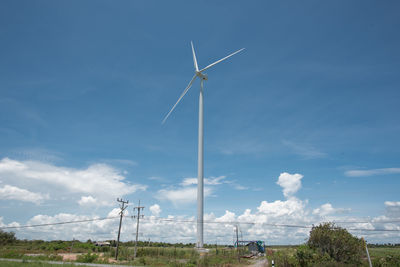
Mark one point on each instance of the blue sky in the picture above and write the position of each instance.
(84, 87)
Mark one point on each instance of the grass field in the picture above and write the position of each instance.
(32, 264)
(168, 256)
(149, 256)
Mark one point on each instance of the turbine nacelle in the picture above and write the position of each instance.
(201, 75)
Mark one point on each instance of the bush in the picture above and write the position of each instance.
(336, 242)
(388, 261)
(87, 258)
(7, 237)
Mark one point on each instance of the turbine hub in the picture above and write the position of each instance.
(202, 75)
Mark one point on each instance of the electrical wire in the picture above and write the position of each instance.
(57, 223)
(267, 224)
(147, 219)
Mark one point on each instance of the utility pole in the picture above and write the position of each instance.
(237, 242)
(121, 213)
(138, 208)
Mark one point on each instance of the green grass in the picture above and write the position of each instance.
(32, 264)
(383, 252)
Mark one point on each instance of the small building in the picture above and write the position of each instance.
(255, 247)
(102, 244)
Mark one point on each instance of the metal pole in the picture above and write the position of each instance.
(122, 206)
(137, 226)
(119, 232)
(237, 243)
(200, 175)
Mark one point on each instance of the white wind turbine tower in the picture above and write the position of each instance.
(200, 164)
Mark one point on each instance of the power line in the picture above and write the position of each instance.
(58, 223)
(147, 220)
(270, 224)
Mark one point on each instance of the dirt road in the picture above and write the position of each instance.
(260, 263)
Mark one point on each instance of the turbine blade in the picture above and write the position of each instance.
(194, 58)
(222, 59)
(182, 95)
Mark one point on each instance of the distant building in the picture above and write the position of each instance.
(102, 244)
(255, 247)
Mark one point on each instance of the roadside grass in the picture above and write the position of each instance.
(383, 252)
(149, 256)
(380, 257)
(174, 256)
(33, 264)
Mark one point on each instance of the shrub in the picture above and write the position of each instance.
(87, 258)
(336, 242)
(7, 237)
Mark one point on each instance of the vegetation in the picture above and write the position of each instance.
(328, 245)
(337, 243)
(7, 237)
(32, 264)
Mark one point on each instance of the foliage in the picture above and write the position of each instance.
(336, 242)
(87, 258)
(7, 237)
(11, 254)
(387, 261)
(30, 264)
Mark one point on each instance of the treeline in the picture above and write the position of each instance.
(387, 245)
(8, 238)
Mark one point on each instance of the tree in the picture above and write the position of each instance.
(7, 237)
(337, 242)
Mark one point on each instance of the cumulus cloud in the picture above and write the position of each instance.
(155, 210)
(392, 209)
(15, 193)
(186, 192)
(87, 201)
(290, 183)
(327, 209)
(181, 195)
(269, 221)
(285, 221)
(372, 172)
(100, 181)
(290, 207)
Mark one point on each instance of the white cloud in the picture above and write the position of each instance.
(155, 210)
(101, 181)
(392, 203)
(207, 181)
(278, 208)
(327, 209)
(359, 173)
(181, 195)
(263, 222)
(239, 187)
(290, 183)
(392, 209)
(187, 193)
(15, 193)
(87, 201)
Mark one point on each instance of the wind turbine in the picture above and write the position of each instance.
(200, 165)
